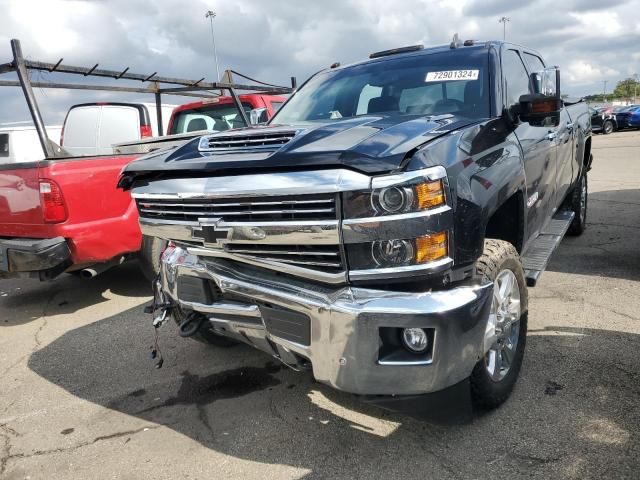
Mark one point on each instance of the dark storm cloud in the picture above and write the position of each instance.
(273, 39)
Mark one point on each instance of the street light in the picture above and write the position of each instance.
(211, 15)
(635, 88)
(604, 91)
(503, 21)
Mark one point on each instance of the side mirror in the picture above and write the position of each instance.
(543, 106)
(258, 116)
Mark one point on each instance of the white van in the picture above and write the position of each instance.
(93, 128)
(19, 142)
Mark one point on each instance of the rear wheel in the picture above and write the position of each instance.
(495, 375)
(578, 204)
(607, 127)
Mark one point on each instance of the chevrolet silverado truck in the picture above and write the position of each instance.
(383, 228)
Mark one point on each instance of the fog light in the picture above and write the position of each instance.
(415, 340)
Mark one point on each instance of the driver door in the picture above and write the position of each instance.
(538, 145)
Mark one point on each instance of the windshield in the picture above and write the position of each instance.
(448, 82)
(218, 117)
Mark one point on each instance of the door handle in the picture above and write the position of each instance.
(551, 136)
(570, 126)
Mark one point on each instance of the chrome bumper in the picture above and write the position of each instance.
(345, 322)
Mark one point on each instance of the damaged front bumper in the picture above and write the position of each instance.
(349, 336)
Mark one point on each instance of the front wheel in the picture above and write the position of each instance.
(495, 375)
(607, 127)
(149, 256)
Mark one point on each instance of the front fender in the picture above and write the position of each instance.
(485, 167)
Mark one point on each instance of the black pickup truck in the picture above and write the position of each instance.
(382, 228)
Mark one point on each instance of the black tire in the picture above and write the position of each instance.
(607, 127)
(579, 207)
(205, 334)
(149, 256)
(486, 392)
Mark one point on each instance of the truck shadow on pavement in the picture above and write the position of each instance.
(609, 245)
(29, 299)
(575, 408)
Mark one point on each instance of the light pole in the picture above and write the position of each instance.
(635, 88)
(503, 21)
(604, 90)
(211, 15)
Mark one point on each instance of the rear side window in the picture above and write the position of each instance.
(515, 76)
(218, 117)
(534, 62)
(4, 144)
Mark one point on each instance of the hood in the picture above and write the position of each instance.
(369, 144)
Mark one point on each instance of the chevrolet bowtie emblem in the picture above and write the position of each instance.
(211, 233)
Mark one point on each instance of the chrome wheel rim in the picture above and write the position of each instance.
(503, 326)
(608, 127)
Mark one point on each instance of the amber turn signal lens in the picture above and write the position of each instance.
(429, 195)
(431, 247)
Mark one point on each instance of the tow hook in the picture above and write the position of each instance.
(191, 324)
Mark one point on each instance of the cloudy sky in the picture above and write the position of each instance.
(591, 40)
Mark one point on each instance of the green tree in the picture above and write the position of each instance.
(627, 89)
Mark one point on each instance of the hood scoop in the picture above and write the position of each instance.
(245, 142)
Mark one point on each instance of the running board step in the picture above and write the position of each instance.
(539, 252)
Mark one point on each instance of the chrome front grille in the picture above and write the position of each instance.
(287, 222)
(245, 143)
(249, 209)
(295, 234)
(327, 258)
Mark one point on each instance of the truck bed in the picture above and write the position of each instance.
(102, 220)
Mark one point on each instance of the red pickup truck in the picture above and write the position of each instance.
(220, 113)
(65, 214)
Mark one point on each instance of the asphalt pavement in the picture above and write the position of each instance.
(80, 397)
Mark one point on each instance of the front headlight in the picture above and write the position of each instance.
(398, 252)
(395, 194)
(400, 226)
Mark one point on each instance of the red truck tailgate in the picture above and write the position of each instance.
(102, 220)
(19, 200)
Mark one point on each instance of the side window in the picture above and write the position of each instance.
(367, 93)
(534, 62)
(276, 106)
(4, 145)
(515, 76)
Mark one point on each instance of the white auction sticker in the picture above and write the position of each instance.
(452, 75)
